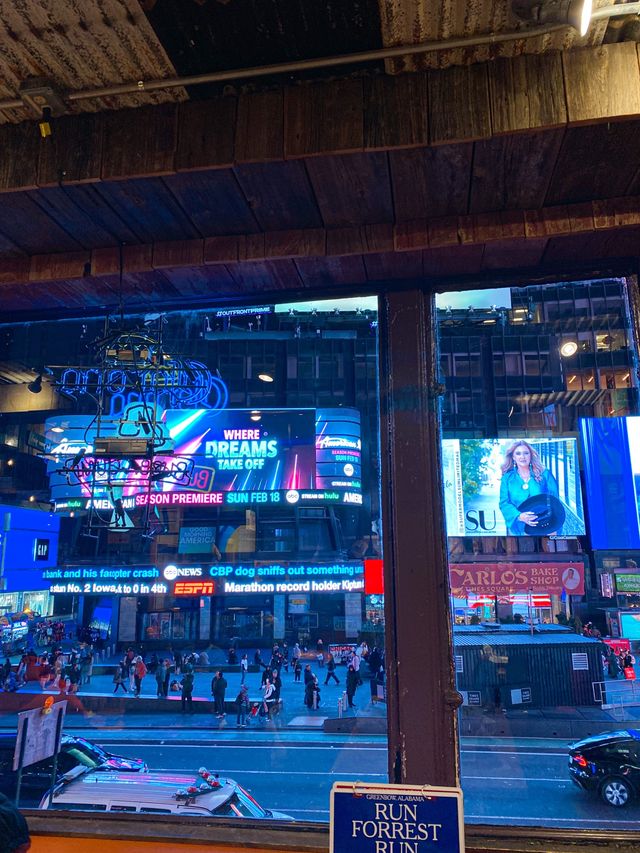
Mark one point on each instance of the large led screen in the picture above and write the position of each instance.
(611, 452)
(204, 456)
(512, 487)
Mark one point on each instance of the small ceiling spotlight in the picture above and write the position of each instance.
(568, 348)
(255, 416)
(265, 377)
(573, 13)
(36, 386)
(57, 429)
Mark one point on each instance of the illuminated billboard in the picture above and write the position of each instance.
(512, 487)
(206, 457)
(611, 452)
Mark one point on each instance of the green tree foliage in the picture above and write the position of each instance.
(474, 456)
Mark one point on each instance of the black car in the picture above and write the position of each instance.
(608, 764)
(75, 752)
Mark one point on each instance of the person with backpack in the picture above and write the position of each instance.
(242, 706)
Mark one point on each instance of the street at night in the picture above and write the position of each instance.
(525, 783)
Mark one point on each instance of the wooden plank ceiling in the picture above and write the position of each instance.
(525, 163)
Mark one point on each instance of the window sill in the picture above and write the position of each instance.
(310, 837)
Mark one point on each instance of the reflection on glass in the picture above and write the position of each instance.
(201, 561)
(540, 484)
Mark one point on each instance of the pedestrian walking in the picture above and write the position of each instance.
(166, 670)
(312, 693)
(268, 689)
(74, 677)
(160, 682)
(186, 699)
(285, 657)
(295, 656)
(242, 706)
(331, 670)
(297, 671)
(177, 662)
(352, 685)
(218, 688)
(277, 687)
(244, 667)
(119, 677)
(139, 672)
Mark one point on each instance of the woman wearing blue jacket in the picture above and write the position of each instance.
(523, 476)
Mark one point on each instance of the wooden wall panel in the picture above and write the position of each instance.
(147, 208)
(211, 202)
(139, 142)
(511, 172)
(19, 151)
(321, 272)
(28, 227)
(280, 195)
(324, 118)
(527, 92)
(263, 110)
(602, 82)
(73, 152)
(596, 161)
(353, 189)
(431, 181)
(459, 104)
(206, 131)
(395, 111)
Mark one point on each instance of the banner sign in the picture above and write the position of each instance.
(628, 583)
(395, 819)
(504, 578)
(204, 580)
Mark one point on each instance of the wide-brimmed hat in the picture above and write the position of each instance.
(550, 511)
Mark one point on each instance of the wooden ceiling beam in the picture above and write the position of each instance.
(460, 104)
(453, 232)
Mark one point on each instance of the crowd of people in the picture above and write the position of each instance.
(56, 670)
(620, 664)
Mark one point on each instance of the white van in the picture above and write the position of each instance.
(199, 793)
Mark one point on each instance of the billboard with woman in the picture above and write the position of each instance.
(512, 487)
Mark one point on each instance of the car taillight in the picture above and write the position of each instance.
(580, 760)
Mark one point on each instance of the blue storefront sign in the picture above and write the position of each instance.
(395, 819)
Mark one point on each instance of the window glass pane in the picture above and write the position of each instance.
(541, 496)
(189, 494)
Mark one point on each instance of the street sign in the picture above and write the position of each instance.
(40, 731)
(395, 819)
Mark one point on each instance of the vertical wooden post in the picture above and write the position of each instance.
(422, 699)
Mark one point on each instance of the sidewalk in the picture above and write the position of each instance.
(96, 705)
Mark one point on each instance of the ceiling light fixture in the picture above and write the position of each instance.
(57, 429)
(568, 348)
(574, 13)
(265, 377)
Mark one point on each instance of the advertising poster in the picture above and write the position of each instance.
(512, 487)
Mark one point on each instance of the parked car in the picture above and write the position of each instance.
(200, 793)
(608, 764)
(74, 752)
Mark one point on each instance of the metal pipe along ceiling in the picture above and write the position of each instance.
(140, 86)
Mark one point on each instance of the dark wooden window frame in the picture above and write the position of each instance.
(422, 695)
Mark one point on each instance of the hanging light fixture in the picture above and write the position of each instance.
(574, 13)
